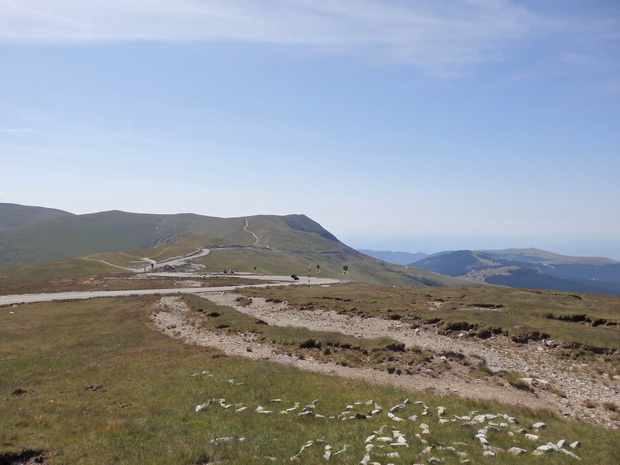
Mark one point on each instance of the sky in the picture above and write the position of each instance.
(409, 125)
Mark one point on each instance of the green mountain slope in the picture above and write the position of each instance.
(74, 236)
(268, 244)
(13, 215)
(400, 258)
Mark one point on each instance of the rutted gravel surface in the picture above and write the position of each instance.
(531, 360)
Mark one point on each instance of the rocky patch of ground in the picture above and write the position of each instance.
(545, 381)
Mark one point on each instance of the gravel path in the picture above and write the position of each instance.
(530, 360)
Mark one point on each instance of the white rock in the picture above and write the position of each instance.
(569, 453)
(531, 437)
(516, 451)
(539, 426)
(574, 445)
(488, 453)
(547, 447)
(396, 408)
(425, 451)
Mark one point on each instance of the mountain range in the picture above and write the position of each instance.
(274, 244)
(528, 268)
(400, 258)
(269, 244)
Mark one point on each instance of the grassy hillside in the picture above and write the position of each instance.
(266, 244)
(92, 382)
(537, 256)
(81, 235)
(484, 311)
(14, 215)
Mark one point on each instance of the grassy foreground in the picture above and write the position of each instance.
(91, 382)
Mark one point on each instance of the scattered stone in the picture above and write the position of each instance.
(516, 451)
(574, 445)
(539, 426)
(569, 453)
(396, 408)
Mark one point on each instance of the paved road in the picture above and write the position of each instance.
(55, 296)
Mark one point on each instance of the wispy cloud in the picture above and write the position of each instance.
(15, 130)
(439, 37)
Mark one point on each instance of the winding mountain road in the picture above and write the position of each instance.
(81, 295)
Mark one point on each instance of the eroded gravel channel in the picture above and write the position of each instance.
(531, 360)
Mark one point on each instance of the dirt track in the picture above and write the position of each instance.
(531, 360)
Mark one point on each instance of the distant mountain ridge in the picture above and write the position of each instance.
(270, 244)
(13, 215)
(400, 258)
(71, 236)
(528, 268)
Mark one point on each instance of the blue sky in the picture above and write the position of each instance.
(397, 125)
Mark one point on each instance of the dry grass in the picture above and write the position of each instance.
(91, 382)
